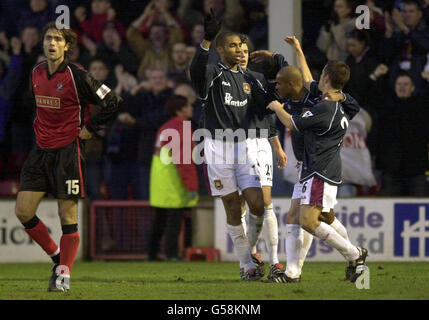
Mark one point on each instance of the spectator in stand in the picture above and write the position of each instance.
(406, 49)
(101, 12)
(332, 37)
(22, 115)
(121, 156)
(188, 92)
(116, 51)
(362, 61)
(190, 53)
(197, 34)
(256, 22)
(38, 14)
(356, 157)
(156, 46)
(127, 83)
(147, 114)
(129, 10)
(377, 27)
(403, 139)
(426, 11)
(9, 79)
(158, 11)
(94, 147)
(173, 180)
(179, 63)
(230, 12)
(4, 47)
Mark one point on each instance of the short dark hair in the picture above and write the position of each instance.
(245, 39)
(69, 36)
(338, 72)
(417, 3)
(220, 40)
(174, 104)
(359, 35)
(99, 58)
(404, 73)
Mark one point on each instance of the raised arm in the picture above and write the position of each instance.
(201, 73)
(300, 60)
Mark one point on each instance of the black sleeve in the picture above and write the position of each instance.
(201, 73)
(314, 89)
(272, 130)
(92, 91)
(317, 119)
(350, 105)
(260, 96)
(280, 61)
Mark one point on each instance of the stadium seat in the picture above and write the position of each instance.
(211, 254)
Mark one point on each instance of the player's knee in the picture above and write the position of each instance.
(23, 213)
(256, 207)
(67, 219)
(233, 215)
(306, 223)
(327, 217)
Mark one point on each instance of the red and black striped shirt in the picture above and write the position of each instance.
(62, 100)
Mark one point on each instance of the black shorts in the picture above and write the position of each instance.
(60, 172)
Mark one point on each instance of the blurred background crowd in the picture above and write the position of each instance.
(142, 50)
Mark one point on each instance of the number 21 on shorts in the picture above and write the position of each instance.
(72, 186)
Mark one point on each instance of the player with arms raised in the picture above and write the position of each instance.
(62, 91)
(227, 96)
(323, 127)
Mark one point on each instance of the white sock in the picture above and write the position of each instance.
(335, 240)
(270, 233)
(241, 246)
(244, 224)
(294, 239)
(306, 244)
(254, 230)
(338, 226)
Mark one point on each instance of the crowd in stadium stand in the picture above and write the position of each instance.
(142, 50)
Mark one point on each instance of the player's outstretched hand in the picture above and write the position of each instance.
(211, 26)
(293, 42)
(281, 159)
(84, 134)
(275, 106)
(260, 55)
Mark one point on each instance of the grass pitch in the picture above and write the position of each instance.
(209, 281)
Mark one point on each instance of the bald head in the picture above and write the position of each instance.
(289, 82)
(292, 74)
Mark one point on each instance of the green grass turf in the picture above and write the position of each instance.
(209, 281)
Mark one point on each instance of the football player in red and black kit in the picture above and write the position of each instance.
(63, 92)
